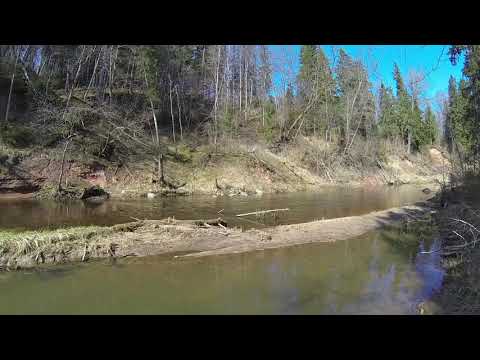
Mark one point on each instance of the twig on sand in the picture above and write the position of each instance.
(250, 221)
(223, 227)
(84, 253)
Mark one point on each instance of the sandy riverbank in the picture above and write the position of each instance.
(190, 238)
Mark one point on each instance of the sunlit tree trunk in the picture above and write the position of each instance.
(12, 80)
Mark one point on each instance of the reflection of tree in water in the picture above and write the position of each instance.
(329, 203)
(362, 275)
(329, 276)
(428, 266)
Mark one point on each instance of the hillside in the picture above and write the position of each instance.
(234, 170)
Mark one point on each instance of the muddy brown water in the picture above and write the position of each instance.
(330, 202)
(366, 275)
(373, 274)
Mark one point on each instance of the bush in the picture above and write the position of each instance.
(181, 153)
(17, 136)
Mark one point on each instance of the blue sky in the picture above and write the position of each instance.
(431, 59)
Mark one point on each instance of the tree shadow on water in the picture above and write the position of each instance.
(406, 231)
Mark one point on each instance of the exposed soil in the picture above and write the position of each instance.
(241, 170)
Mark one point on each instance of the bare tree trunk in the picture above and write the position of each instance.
(114, 66)
(251, 92)
(171, 110)
(226, 78)
(409, 141)
(216, 96)
(327, 125)
(44, 65)
(74, 83)
(69, 138)
(349, 115)
(93, 74)
(179, 114)
(307, 108)
(240, 82)
(204, 72)
(110, 64)
(11, 86)
(263, 115)
(409, 135)
(152, 108)
(246, 88)
(161, 177)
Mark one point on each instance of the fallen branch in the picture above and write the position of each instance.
(210, 222)
(466, 223)
(262, 212)
(84, 253)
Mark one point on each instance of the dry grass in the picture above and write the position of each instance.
(15, 243)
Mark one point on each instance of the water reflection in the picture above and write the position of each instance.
(328, 203)
(366, 275)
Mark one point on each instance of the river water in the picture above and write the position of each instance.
(331, 202)
(373, 274)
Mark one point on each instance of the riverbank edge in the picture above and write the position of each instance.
(460, 288)
(237, 170)
(192, 238)
(116, 195)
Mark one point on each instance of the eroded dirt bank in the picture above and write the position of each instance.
(237, 170)
(189, 238)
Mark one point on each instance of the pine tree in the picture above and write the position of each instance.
(430, 127)
(356, 101)
(466, 118)
(306, 75)
(403, 107)
(386, 121)
(452, 96)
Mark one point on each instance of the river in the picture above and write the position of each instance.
(372, 274)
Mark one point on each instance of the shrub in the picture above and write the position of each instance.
(17, 136)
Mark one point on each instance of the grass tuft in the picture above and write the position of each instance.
(18, 243)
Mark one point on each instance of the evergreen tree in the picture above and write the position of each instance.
(386, 120)
(452, 96)
(466, 112)
(403, 107)
(430, 125)
(307, 72)
(356, 101)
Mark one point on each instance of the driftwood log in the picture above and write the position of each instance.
(263, 212)
(133, 226)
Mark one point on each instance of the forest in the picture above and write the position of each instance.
(112, 127)
(114, 98)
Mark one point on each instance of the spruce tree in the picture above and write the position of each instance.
(430, 126)
(452, 95)
(403, 107)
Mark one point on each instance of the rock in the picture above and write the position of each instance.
(96, 199)
(150, 195)
(94, 194)
(20, 185)
(426, 191)
(259, 192)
